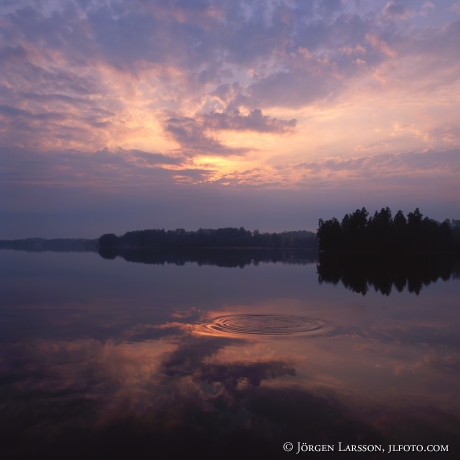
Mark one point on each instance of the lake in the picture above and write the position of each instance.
(108, 359)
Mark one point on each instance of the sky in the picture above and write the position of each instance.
(125, 115)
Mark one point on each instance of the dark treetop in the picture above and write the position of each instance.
(358, 233)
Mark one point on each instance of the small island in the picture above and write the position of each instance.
(228, 237)
(223, 246)
(381, 234)
(385, 252)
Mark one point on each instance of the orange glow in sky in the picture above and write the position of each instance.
(298, 96)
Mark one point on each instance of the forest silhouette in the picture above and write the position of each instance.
(226, 247)
(174, 242)
(387, 253)
(357, 233)
(361, 251)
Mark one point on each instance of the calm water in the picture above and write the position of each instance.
(115, 359)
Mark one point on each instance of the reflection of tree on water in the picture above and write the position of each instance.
(359, 273)
(223, 257)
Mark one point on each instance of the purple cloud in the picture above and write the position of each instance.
(193, 139)
(254, 121)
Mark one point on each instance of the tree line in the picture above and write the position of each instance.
(230, 237)
(382, 233)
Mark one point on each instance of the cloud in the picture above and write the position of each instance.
(427, 8)
(326, 7)
(205, 44)
(254, 121)
(137, 169)
(193, 138)
(198, 49)
(407, 164)
(421, 171)
(151, 159)
(104, 169)
(395, 10)
(455, 7)
(281, 94)
(292, 89)
(380, 45)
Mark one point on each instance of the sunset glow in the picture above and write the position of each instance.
(153, 113)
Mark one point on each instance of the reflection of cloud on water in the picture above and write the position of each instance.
(416, 332)
(141, 332)
(98, 368)
(159, 386)
(188, 390)
(446, 360)
(196, 357)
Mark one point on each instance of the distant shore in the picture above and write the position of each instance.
(55, 244)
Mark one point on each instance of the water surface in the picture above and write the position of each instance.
(115, 359)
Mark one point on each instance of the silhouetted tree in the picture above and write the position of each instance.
(329, 234)
(381, 233)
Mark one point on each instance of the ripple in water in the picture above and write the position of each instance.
(246, 324)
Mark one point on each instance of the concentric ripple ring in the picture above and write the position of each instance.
(264, 325)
